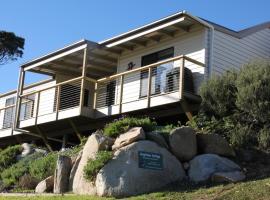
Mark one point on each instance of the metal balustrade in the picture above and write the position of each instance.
(178, 74)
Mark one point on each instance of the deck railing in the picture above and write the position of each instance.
(148, 81)
(82, 92)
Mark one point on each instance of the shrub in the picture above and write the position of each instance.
(11, 175)
(8, 156)
(219, 95)
(27, 182)
(264, 138)
(243, 136)
(124, 124)
(94, 165)
(43, 167)
(253, 97)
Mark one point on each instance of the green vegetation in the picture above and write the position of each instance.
(8, 156)
(122, 125)
(11, 175)
(43, 167)
(250, 190)
(94, 165)
(237, 106)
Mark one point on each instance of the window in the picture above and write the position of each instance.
(158, 73)
(9, 113)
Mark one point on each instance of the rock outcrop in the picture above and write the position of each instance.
(138, 168)
(133, 135)
(202, 167)
(228, 177)
(61, 175)
(183, 143)
(95, 143)
(46, 185)
(214, 144)
(157, 138)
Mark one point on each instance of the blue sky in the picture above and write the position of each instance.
(51, 24)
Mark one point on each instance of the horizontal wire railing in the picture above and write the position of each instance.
(171, 75)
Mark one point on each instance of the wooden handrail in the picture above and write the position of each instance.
(13, 105)
(140, 69)
(119, 74)
(54, 86)
(151, 66)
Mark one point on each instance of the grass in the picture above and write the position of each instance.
(250, 190)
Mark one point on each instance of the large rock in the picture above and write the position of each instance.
(74, 169)
(27, 149)
(95, 143)
(157, 138)
(183, 143)
(133, 135)
(45, 185)
(61, 175)
(228, 177)
(214, 144)
(140, 167)
(203, 166)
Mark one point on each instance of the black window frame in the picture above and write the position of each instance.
(155, 58)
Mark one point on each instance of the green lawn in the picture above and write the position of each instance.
(259, 190)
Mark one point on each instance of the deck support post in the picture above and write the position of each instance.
(149, 87)
(18, 99)
(95, 96)
(37, 107)
(44, 138)
(186, 108)
(121, 93)
(75, 129)
(181, 77)
(85, 53)
(57, 104)
(65, 139)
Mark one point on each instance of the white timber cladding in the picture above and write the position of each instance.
(191, 44)
(231, 53)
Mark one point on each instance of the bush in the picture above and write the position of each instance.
(43, 167)
(8, 156)
(219, 95)
(243, 136)
(122, 125)
(237, 106)
(27, 182)
(253, 96)
(264, 138)
(94, 165)
(11, 175)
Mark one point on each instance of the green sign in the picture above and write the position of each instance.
(148, 160)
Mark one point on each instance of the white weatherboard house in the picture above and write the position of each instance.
(155, 69)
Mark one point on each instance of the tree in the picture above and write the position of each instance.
(11, 47)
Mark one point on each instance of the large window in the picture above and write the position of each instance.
(159, 73)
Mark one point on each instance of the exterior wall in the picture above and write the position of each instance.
(231, 53)
(190, 43)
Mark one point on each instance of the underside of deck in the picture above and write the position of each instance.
(70, 130)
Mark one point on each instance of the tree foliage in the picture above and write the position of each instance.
(237, 106)
(11, 47)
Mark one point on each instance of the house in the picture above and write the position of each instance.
(153, 70)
